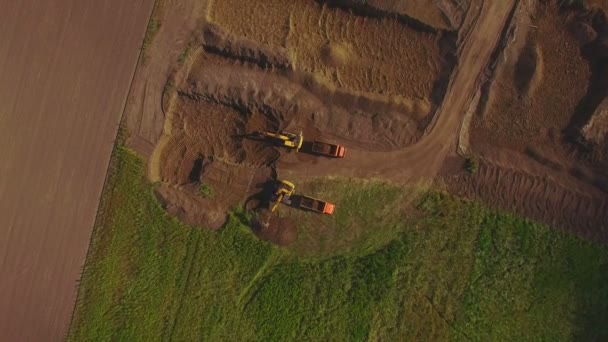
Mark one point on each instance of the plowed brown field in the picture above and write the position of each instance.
(66, 67)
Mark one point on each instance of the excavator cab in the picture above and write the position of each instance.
(282, 193)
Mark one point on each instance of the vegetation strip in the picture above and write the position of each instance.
(449, 269)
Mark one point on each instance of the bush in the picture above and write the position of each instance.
(471, 164)
(205, 190)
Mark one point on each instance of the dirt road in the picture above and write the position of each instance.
(424, 158)
(66, 67)
(143, 114)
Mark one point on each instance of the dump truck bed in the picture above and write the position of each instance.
(316, 205)
(324, 148)
(331, 150)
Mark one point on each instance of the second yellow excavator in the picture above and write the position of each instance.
(282, 193)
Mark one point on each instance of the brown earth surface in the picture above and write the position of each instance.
(278, 230)
(66, 67)
(143, 114)
(226, 85)
(517, 84)
(540, 126)
(340, 46)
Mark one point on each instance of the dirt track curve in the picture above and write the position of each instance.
(479, 36)
(66, 67)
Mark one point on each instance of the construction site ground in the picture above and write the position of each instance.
(506, 85)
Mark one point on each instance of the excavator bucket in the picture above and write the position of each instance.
(298, 141)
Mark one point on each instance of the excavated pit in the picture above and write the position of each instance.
(237, 83)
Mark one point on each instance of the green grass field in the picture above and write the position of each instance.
(385, 267)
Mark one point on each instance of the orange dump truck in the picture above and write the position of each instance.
(330, 150)
(317, 205)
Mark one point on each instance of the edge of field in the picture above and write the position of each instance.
(113, 164)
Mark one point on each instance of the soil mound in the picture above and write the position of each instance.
(203, 126)
(541, 88)
(335, 54)
(226, 44)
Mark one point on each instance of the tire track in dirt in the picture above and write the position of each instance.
(536, 197)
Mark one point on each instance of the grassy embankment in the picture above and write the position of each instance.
(382, 268)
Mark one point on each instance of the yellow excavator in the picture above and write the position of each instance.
(285, 139)
(282, 193)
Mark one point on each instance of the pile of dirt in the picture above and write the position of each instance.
(551, 94)
(587, 128)
(339, 41)
(407, 61)
(278, 230)
(224, 43)
(204, 127)
(336, 54)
